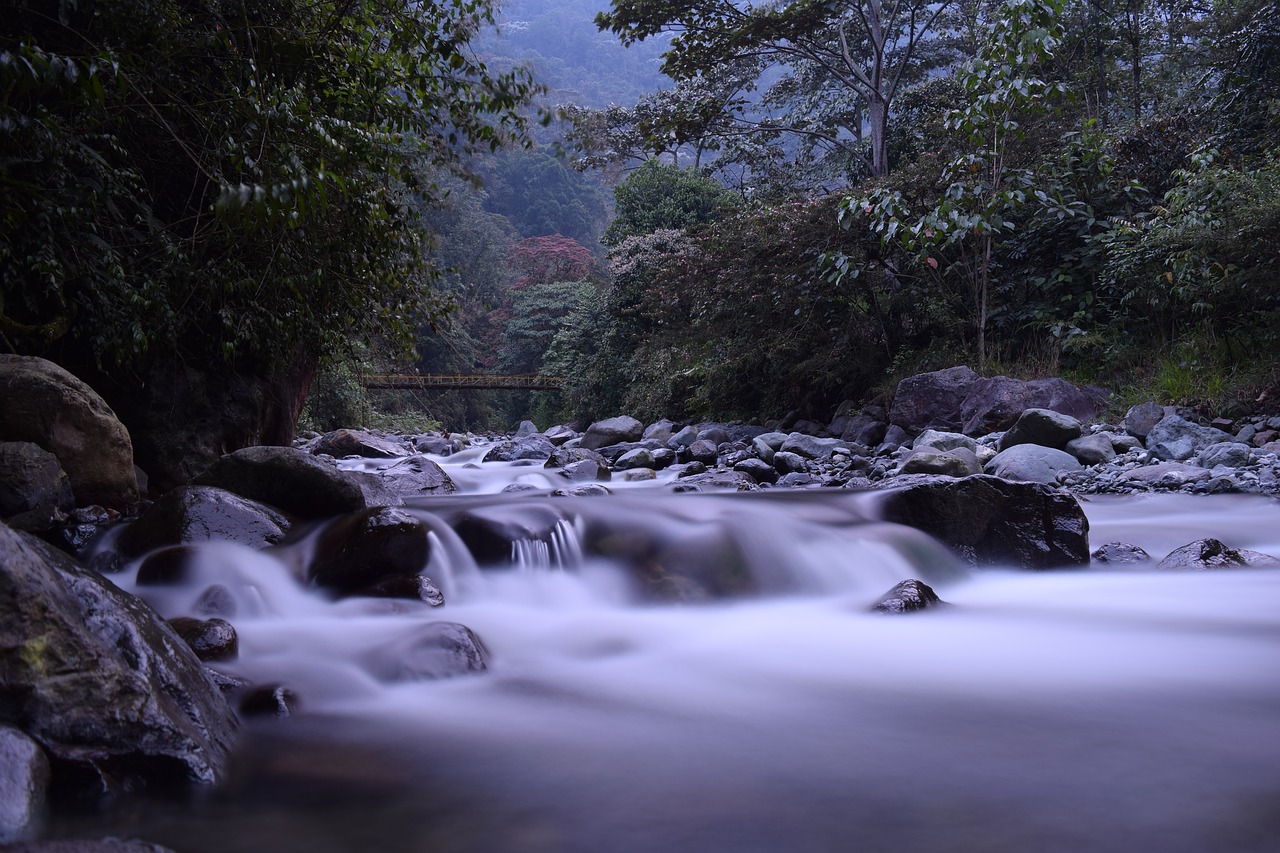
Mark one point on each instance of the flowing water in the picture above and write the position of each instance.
(1069, 711)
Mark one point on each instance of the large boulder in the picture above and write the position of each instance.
(94, 676)
(285, 477)
(1044, 427)
(932, 400)
(995, 404)
(31, 479)
(611, 431)
(46, 405)
(1031, 463)
(358, 442)
(535, 447)
(415, 476)
(959, 462)
(1140, 419)
(435, 650)
(22, 784)
(1176, 439)
(200, 514)
(357, 552)
(1211, 554)
(991, 521)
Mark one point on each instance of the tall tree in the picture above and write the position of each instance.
(870, 47)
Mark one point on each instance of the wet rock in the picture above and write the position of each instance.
(683, 437)
(288, 479)
(909, 596)
(1120, 554)
(789, 463)
(566, 456)
(270, 700)
(1032, 463)
(1042, 427)
(704, 451)
(932, 400)
(414, 587)
(1212, 554)
(691, 469)
(491, 532)
(535, 447)
(944, 441)
(437, 445)
(358, 442)
(992, 521)
(435, 650)
(1230, 453)
(23, 783)
(47, 406)
(358, 551)
(637, 475)
(201, 514)
(211, 639)
(31, 479)
(415, 476)
(167, 566)
(611, 431)
(810, 447)
(105, 845)
(585, 490)
(586, 471)
(995, 404)
(640, 457)
(99, 681)
(1176, 439)
(216, 600)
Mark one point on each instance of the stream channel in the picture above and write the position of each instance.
(1087, 710)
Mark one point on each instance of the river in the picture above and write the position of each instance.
(1089, 710)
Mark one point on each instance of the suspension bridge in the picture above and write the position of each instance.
(452, 382)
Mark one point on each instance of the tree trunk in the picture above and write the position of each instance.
(878, 120)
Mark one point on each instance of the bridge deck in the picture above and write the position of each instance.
(436, 381)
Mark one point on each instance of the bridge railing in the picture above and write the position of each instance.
(439, 381)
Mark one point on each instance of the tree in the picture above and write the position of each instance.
(658, 196)
(985, 192)
(870, 48)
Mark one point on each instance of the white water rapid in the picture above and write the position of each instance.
(1093, 710)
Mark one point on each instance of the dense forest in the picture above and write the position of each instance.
(703, 209)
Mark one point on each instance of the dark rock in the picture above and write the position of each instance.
(995, 404)
(909, 596)
(704, 451)
(993, 521)
(558, 435)
(758, 470)
(721, 480)
(1210, 554)
(1120, 554)
(932, 400)
(211, 639)
(491, 532)
(798, 479)
(270, 700)
(692, 469)
(105, 845)
(201, 514)
(584, 491)
(167, 566)
(99, 681)
(865, 430)
(586, 471)
(216, 600)
(663, 457)
(31, 479)
(434, 650)
(47, 406)
(287, 478)
(566, 456)
(611, 431)
(790, 463)
(1166, 475)
(944, 441)
(1230, 453)
(534, 447)
(640, 457)
(23, 783)
(358, 442)
(684, 437)
(436, 445)
(660, 431)
(415, 476)
(358, 551)
(1140, 419)
(1031, 463)
(526, 429)
(714, 433)
(811, 447)
(1042, 427)
(894, 437)
(417, 588)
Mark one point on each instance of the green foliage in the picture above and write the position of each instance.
(657, 196)
(231, 183)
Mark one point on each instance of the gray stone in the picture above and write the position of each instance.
(788, 463)
(47, 406)
(431, 651)
(932, 400)
(1176, 439)
(1166, 475)
(535, 447)
(526, 429)
(1123, 442)
(358, 442)
(637, 475)
(958, 462)
(721, 481)
(991, 521)
(659, 431)
(417, 475)
(1229, 453)
(1120, 554)
(31, 479)
(94, 676)
(586, 470)
(1092, 449)
(611, 431)
(559, 434)
(1044, 427)
(894, 437)
(994, 404)
(810, 447)
(704, 451)
(1032, 463)
(23, 783)
(360, 550)
(944, 440)
(1140, 419)
(685, 437)
(640, 457)
(758, 470)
